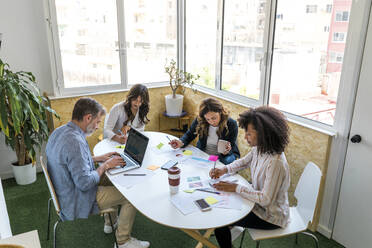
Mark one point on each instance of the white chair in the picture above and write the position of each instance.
(302, 215)
(53, 196)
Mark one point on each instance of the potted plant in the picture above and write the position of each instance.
(23, 120)
(177, 78)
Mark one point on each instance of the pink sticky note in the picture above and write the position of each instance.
(213, 158)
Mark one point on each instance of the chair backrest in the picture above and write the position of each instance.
(50, 186)
(307, 191)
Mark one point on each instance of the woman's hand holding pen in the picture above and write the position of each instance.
(122, 139)
(217, 173)
(176, 143)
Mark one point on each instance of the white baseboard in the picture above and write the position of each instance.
(324, 230)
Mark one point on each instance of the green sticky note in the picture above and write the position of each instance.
(187, 152)
(121, 146)
(189, 190)
(211, 200)
(160, 145)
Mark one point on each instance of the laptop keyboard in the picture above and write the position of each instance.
(129, 163)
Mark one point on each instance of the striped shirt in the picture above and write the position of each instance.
(269, 188)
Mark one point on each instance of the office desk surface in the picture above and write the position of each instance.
(152, 198)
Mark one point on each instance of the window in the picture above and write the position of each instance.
(342, 16)
(243, 47)
(329, 8)
(201, 34)
(85, 39)
(311, 8)
(91, 54)
(303, 81)
(290, 61)
(335, 57)
(339, 37)
(150, 42)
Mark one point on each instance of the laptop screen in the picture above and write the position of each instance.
(136, 145)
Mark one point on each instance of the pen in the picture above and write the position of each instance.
(168, 138)
(126, 174)
(209, 191)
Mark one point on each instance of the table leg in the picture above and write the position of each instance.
(202, 239)
(206, 235)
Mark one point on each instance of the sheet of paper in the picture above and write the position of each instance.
(230, 201)
(129, 181)
(201, 162)
(184, 203)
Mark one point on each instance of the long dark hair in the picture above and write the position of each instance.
(136, 91)
(211, 105)
(271, 127)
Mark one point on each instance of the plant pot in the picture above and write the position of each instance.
(24, 174)
(173, 106)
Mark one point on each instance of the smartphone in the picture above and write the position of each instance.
(203, 205)
(169, 164)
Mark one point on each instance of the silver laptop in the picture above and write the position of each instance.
(134, 152)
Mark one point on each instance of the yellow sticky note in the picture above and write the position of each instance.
(187, 152)
(189, 190)
(160, 145)
(211, 200)
(120, 146)
(153, 167)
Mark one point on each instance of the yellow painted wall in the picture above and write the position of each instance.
(305, 144)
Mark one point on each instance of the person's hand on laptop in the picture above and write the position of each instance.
(105, 157)
(111, 163)
(176, 143)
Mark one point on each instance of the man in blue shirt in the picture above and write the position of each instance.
(75, 179)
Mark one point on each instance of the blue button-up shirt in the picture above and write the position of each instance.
(71, 169)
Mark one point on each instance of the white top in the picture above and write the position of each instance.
(212, 140)
(116, 119)
(269, 188)
(152, 197)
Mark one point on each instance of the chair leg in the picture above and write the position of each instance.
(296, 240)
(258, 244)
(55, 233)
(50, 199)
(113, 231)
(314, 237)
(241, 241)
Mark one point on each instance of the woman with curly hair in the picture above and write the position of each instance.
(212, 124)
(266, 131)
(131, 113)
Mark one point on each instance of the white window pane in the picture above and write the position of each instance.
(307, 61)
(88, 38)
(243, 46)
(201, 34)
(151, 39)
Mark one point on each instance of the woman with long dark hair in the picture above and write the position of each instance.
(266, 131)
(131, 113)
(212, 124)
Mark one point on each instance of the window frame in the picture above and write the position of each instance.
(270, 10)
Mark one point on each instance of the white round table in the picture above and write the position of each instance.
(152, 197)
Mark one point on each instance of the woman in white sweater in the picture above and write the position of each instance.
(131, 113)
(266, 131)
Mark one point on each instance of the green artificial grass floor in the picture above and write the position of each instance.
(27, 209)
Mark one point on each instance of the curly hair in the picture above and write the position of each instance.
(136, 91)
(211, 105)
(271, 127)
